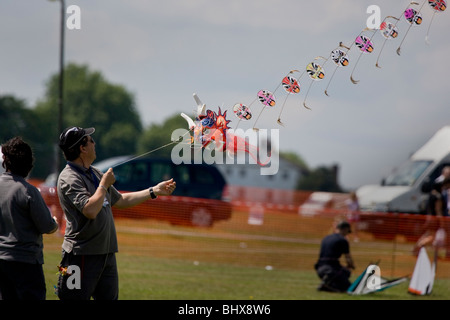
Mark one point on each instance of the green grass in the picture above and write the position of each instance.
(162, 262)
(146, 278)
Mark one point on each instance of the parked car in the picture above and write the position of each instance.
(320, 202)
(198, 200)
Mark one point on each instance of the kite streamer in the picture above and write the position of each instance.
(291, 86)
(267, 99)
(317, 73)
(210, 127)
(365, 46)
(437, 6)
(413, 17)
(340, 59)
(389, 31)
(242, 112)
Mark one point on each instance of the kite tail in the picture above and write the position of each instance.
(236, 143)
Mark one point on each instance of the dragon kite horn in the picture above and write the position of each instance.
(200, 107)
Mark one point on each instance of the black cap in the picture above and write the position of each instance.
(73, 135)
(343, 225)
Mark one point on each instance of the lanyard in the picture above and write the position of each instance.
(93, 178)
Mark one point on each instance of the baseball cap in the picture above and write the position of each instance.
(73, 135)
(343, 225)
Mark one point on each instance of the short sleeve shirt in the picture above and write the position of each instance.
(331, 249)
(24, 217)
(86, 236)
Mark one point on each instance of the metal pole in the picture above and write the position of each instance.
(61, 87)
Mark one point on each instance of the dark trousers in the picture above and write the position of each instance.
(21, 281)
(336, 278)
(93, 276)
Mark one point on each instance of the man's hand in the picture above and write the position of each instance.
(349, 260)
(165, 188)
(108, 178)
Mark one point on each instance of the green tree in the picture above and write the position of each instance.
(16, 119)
(320, 179)
(157, 138)
(295, 158)
(91, 101)
(13, 117)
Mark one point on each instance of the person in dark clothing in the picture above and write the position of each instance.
(24, 218)
(434, 190)
(334, 276)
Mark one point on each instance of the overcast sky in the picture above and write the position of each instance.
(228, 50)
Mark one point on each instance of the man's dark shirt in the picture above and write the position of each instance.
(331, 249)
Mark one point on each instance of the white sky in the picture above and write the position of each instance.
(228, 50)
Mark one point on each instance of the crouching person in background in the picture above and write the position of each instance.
(334, 276)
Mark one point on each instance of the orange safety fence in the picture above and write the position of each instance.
(273, 228)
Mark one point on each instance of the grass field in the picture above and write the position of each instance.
(237, 261)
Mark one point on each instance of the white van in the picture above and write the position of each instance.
(403, 190)
(1, 162)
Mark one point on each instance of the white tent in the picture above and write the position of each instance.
(422, 279)
(371, 280)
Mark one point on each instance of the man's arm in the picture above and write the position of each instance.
(349, 261)
(55, 228)
(130, 199)
(95, 202)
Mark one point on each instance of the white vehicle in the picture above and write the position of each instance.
(1, 162)
(402, 190)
